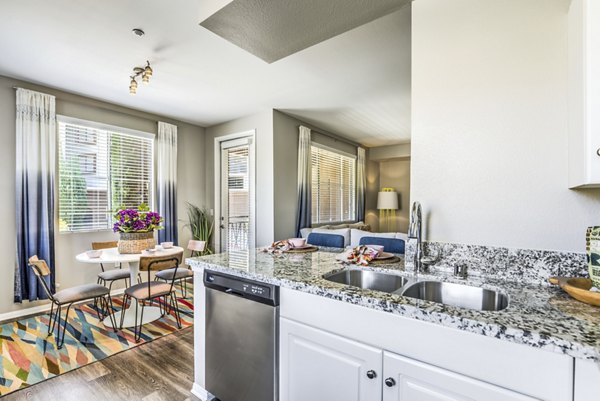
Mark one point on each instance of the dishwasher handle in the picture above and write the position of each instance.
(264, 293)
(231, 291)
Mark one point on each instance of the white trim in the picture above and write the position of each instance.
(251, 135)
(201, 392)
(39, 309)
(107, 127)
(333, 150)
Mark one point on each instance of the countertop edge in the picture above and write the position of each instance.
(500, 332)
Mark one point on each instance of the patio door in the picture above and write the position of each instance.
(236, 193)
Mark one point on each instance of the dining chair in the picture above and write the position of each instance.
(152, 290)
(326, 240)
(112, 275)
(68, 297)
(393, 245)
(182, 273)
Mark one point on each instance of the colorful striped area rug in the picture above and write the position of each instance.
(28, 356)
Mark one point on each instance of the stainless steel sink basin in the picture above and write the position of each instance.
(369, 280)
(463, 296)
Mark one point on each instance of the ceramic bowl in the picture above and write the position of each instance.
(297, 242)
(378, 248)
(94, 254)
(167, 245)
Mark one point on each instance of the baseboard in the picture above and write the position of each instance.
(201, 393)
(36, 310)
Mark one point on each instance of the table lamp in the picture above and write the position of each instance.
(387, 203)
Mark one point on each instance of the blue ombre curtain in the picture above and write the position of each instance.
(166, 178)
(361, 184)
(304, 180)
(35, 171)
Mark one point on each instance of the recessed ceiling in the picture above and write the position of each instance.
(356, 84)
(272, 30)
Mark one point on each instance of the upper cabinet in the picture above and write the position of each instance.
(584, 93)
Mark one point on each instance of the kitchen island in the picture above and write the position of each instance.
(530, 350)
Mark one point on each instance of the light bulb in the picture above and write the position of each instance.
(133, 86)
(148, 71)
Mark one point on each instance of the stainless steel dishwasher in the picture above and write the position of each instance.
(241, 338)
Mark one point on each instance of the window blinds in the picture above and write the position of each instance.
(100, 170)
(333, 186)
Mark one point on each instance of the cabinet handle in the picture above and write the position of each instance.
(371, 374)
(598, 151)
(390, 382)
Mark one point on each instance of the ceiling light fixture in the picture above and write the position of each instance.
(146, 72)
(138, 32)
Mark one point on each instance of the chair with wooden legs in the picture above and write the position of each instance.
(112, 275)
(68, 297)
(152, 290)
(183, 273)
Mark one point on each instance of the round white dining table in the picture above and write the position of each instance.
(112, 257)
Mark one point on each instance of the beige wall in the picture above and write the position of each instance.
(489, 115)
(262, 123)
(389, 173)
(396, 174)
(69, 273)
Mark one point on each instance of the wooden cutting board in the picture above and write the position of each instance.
(578, 288)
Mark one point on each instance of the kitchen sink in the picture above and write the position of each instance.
(368, 280)
(462, 296)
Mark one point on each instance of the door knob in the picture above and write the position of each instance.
(371, 374)
(390, 382)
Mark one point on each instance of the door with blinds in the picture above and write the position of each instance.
(236, 195)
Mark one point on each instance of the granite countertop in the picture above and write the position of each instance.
(539, 316)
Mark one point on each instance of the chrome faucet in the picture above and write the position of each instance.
(414, 231)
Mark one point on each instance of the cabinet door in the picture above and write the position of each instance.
(587, 380)
(409, 380)
(319, 366)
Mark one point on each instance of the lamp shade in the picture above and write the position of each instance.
(387, 200)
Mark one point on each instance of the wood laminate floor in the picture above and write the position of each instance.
(162, 370)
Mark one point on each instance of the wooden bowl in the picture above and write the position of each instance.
(578, 288)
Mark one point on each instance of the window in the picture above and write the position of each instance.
(333, 186)
(101, 168)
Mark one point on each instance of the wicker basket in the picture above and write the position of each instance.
(592, 242)
(136, 242)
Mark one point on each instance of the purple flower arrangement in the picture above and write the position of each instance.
(140, 220)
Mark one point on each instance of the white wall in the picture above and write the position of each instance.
(489, 136)
(263, 124)
(69, 273)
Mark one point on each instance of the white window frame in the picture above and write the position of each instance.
(107, 127)
(345, 154)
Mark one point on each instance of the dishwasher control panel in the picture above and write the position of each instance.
(240, 286)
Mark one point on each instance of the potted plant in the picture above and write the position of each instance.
(136, 228)
(201, 225)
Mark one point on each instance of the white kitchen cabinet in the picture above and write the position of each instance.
(584, 93)
(409, 380)
(587, 380)
(319, 366)
(316, 365)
